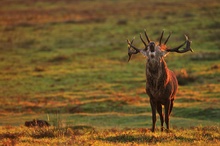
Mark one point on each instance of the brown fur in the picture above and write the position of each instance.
(161, 86)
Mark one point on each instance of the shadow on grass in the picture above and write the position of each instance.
(145, 138)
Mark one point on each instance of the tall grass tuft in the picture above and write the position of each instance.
(184, 77)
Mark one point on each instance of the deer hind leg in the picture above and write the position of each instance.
(171, 107)
(159, 110)
(153, 109)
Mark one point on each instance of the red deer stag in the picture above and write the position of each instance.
(161, 83)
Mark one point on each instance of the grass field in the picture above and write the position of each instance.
(66, 62)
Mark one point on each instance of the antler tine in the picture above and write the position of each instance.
(188, 43)
(130, 45)
(161, 37)
(167, 38)
(132, 40)
(145, 32)
(188, 48)
(129, 49)
(143, 41)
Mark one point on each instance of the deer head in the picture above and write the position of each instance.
(155, 51)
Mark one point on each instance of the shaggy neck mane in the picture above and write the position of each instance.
(157, 75)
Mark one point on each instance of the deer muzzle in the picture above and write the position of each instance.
(152, 46)
(152, 49)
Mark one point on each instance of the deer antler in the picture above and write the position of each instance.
(167, 38)
(145, 32)
(177, 49)
(161, 37)
(130, 52)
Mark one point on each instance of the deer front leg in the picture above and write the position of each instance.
(167, 114)
(159, 110)
(153, 109)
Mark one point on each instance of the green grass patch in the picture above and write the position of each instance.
(66, 62)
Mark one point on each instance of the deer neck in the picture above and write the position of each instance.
(157, 74)
(155, 66)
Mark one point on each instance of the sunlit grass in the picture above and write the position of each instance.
(67, 62)
(86, 135)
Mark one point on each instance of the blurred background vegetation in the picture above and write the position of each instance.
(67, 60)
